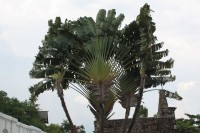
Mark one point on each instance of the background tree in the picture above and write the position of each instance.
(80, 129)
(54, 128)
(64, 127)
(191, 125)
(143, 112)
(195, 119)
(25, 111)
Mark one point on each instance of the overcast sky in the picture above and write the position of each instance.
(23, 24)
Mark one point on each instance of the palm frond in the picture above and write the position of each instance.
(39, 88)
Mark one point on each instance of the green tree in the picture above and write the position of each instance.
(102, 62)
(147, 65)
(54, 128)
(135, 53)
(25, 111)
(80, 129)
(191, 125)
(98, 53)
(143, 112)
(100, 71)
(65, 126)
(195, 119)
(53, 63)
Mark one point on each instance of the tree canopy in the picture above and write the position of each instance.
(25, 111)
(102, 62)
(191, 125)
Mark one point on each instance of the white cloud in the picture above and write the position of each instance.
(20, 12)
(81, 100)
(24, 40)
(190, 103)
(25, 22)
(186, 85)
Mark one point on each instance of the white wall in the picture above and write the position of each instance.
(13, 126)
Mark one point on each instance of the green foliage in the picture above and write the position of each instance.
(80, 129)
(142, 44)
(54, 63)
(54, 128)
(172, 95)
(186, 126)
(195, 118)
(54, 58)
(155, 116)
(25, 111)
(63, 128)
(143, 112)
(191, 125)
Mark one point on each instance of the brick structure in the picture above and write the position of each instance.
(163, 110)
(143, 125)
(164, 123)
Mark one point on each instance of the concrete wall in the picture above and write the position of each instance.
(9, 124)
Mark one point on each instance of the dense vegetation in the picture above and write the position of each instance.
(63, 128)
(191, 125)
(27, 113)
(143, 112)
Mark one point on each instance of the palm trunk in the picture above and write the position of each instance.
(66, 112)
(101, 120)
(126, 120)
(141, 90)
(101, 108)
(60, 95)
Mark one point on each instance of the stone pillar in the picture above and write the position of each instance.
(162, 104)
(163, 110)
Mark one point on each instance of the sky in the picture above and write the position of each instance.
(24, 23)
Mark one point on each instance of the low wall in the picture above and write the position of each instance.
(142, 125)
(9, 124)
